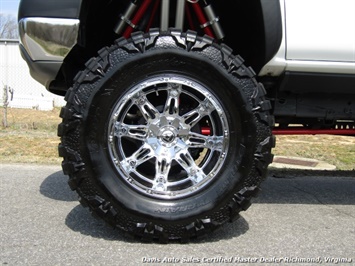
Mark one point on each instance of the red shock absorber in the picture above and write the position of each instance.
(137, 17)
(202, 19)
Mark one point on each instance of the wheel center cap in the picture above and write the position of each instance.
(168, 136)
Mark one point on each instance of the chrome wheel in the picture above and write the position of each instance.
(168, 136)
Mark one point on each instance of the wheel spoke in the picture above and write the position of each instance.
(162, 169)
(147, 109)
(139, 132)
(214, 143)
(196, 140)
(172, 101)
(143, 154)
(194, 116)
(194, 172)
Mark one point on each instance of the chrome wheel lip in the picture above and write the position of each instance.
(167, 137)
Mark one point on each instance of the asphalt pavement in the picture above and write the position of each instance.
(298, 219)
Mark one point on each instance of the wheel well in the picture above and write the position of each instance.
(252, 29)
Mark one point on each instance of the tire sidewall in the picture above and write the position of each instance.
(210, 73)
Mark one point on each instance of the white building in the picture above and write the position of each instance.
(15, 76)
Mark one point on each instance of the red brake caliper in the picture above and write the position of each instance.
(206, 131)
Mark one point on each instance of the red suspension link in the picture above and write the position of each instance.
(144, 6)
(137, 17)
(202, 19)
(305, 131)
(154, 11)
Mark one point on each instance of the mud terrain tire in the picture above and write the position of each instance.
(166, 135)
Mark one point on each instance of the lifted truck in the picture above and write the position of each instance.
(167, 133)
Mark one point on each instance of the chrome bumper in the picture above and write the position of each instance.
(48, 39)
(44, 43)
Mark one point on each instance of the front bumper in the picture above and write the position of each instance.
(44, 43)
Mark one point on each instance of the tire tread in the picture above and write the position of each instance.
(72, 115)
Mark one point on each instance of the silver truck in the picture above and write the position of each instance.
(173, 105)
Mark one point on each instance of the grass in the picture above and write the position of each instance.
(336, 150)
(32, 138)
